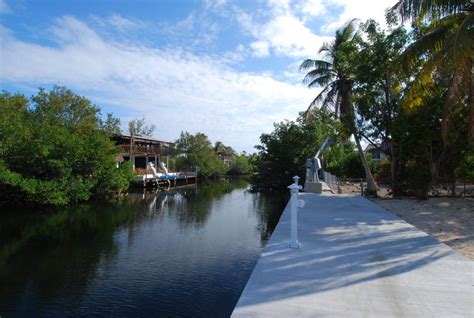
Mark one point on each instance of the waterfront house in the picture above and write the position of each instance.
(140, 150)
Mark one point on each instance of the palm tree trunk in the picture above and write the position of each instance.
(471, 107)
(349, 121)
(371, 186)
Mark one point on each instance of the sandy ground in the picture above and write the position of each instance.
(450, 220)
(354, 188)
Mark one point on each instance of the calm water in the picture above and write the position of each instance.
(187, 253)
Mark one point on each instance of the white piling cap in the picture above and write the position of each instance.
(294, 186)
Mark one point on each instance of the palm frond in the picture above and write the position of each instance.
(454, 96)
(331, 99)
(413, 9)
(319, 98)
(327, 48)
(349, 30)
(318, 64)
(321, 81)
(432, 41)
(421, 87)
(463, 44)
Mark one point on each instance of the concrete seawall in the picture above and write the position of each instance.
(356, 260)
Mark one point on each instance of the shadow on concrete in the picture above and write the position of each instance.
(345, 241)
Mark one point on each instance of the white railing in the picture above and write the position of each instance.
(331, 181)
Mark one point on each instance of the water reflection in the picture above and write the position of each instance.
(177, 252)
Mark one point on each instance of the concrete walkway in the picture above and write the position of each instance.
(356, 260)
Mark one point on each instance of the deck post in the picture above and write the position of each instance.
(294, 189)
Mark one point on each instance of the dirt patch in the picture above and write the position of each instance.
(354, 187)
(450, 220)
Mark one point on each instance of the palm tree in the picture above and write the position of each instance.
(336, 76)
(447, 46)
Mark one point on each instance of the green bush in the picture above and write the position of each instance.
(416, 179)
(53, 150)
(384, 170)
(283, 152)
(465, 170)
(196, 150)
(240, 165)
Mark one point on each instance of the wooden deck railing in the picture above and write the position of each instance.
(140, 150)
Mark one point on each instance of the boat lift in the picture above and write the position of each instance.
(313, 165)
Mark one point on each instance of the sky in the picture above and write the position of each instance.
(226, 68)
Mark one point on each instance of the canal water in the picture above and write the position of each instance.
(184, 253)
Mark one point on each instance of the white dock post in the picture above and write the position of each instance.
(294, 189)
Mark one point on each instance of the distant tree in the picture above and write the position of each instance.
(139, 127)
(197, 150)
(222, 149)
(53, 150)
(184, 142)
(283, 152)
(111, 125)
(240, 165)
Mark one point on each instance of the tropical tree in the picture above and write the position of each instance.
(336, 76)
(446, 44)
(378, 89)
(197, 150)
(222, 149)
(283, 152)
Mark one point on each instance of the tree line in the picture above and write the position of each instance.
(56, 149)
(408, 92)
(212, 160)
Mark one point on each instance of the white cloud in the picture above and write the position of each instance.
(124, 24)
(283, 26)
(174, 89)
(260, 48)
(288, 35)
(4, 7)
(360, 9)
(284, 33)
(312, 8)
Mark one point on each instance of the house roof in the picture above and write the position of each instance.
(144, 139)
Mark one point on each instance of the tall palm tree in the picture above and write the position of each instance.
(446, 45)
(336, 76)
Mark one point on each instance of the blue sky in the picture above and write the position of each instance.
(225, 68)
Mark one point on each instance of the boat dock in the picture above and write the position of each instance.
(171, 179)
(356, 260)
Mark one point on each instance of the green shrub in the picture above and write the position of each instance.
(384, 170)
(53, 150)
(240, 165)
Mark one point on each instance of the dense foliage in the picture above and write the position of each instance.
(408, 94)
(55, 150)
(283, 152)
(196, 151)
